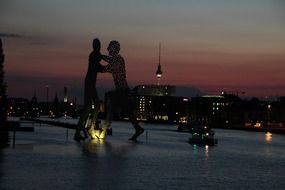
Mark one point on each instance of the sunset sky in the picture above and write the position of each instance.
(207, 44)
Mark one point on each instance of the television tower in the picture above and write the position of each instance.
(158, 71)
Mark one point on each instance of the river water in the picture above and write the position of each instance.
(162, 159)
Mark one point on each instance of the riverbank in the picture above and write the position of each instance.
(276, 130)
(51, 122)
(60, 123)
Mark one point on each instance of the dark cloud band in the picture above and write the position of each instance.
(10, 35)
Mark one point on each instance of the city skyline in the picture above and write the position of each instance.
(209, 45)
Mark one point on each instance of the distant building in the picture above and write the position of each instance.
(207, 109)
(155, 90)
(18, 107)
(158, 103)
(34, 107)
(169, 109)
(222, 111)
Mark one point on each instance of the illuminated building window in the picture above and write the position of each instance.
(164, 117)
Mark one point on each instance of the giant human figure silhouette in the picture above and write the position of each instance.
(120, 98)
(91, 99)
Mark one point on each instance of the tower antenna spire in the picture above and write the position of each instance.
(159, 53)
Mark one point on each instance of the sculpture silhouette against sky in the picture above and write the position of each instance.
(121, 97)
(88, 119)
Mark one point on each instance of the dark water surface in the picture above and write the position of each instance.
(50, 159)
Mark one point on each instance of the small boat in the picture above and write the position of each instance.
(202, 135)
(184, 127)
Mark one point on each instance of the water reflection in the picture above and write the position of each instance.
(207, 151)
(96, 146)
(195, 148)
(268, 137)
(104, 161)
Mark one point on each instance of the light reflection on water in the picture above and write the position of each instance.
(47, 159)
(268, 137)
(206, 151)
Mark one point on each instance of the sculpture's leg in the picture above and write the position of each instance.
(94, 121)
(91, 130)
(86, 127)
(94, 130)
(94, 133)
(95, 113)
(109, 115)
(138, 129)
(81, 126)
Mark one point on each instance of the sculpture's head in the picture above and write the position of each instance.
(114, 47)
(96, 44)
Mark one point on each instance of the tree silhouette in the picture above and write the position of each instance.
(4, 136)
(3, 105)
